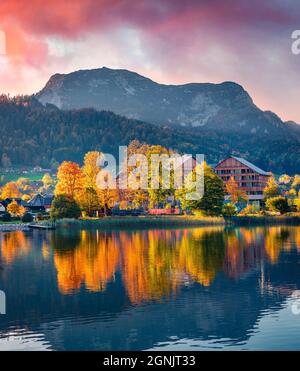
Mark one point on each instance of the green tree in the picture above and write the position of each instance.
(64, 207)
(272, 189)
(213, 198)
(229, 210)
(278, 204)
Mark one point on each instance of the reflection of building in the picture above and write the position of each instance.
(249, 177)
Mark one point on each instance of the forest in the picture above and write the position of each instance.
(35, 135)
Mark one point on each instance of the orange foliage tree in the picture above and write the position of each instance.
(15, 209)
(10, 190)
(235, 193)
(70, 180)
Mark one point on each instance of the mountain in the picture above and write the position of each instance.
(224, 108)
(35, 134)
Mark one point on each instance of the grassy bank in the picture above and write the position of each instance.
(141, 222)
(263, 220)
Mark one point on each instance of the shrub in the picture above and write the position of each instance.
(278, 204)
(229, 210)
(27, 218)
(39, 216)
(5, 217)
(250, 210)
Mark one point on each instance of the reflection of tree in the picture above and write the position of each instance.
(92, 262)
(154, 263)
(275, 239)
(147, 265)
(201, 256)
(14, 244)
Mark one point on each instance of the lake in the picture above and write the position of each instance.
(207, 288)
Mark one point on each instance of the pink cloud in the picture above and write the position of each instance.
(179, 41)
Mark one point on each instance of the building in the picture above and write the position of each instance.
(18, 200)
(2, 208)
(40, 203)
(250, 178)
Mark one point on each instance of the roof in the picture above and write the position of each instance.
(248, 164)
(40, 201)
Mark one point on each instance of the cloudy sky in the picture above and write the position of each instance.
(170, 41)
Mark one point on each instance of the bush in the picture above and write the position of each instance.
(5, 217)
(229, 210)
(64, 207)
(27, 218)
(39, 216)
(278, 204)
(250, 210)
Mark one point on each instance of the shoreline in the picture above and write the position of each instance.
(162, 222)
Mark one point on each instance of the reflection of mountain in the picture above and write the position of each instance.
(193, 283)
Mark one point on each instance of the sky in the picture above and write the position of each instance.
(170, 41)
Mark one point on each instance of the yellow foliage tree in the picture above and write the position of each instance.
(47, 180)
(90, 169)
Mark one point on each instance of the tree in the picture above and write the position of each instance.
(89, 201)
(271, 189)
(229, 210)
(10, 190)
(70, 180)
(22, 182)
(278, 204)
(235, 193)
(65, 207)
(15, 209)
(26, 198)
(5, 217)
(213, 198)
(250, 209)
(47, 180)
(90, 169)
(27, 218)
(296, 183)
(284, 179)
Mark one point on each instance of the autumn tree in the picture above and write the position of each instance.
(272, 189)
(296, 183)
(15, 209)
(90, 169)
(284, 179)
(10, 190)
(235, 193)
(47, 180)
(89, 201)
(70, 180)
(26, 198)
(22, 182)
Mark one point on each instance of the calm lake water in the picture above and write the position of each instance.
(206, 288)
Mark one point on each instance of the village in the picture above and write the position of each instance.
(232, 187)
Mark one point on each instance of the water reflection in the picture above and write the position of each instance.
(201, 283)
(155, 263)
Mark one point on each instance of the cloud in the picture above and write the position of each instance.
(172, 41)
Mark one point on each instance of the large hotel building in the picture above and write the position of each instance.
(249, 177)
